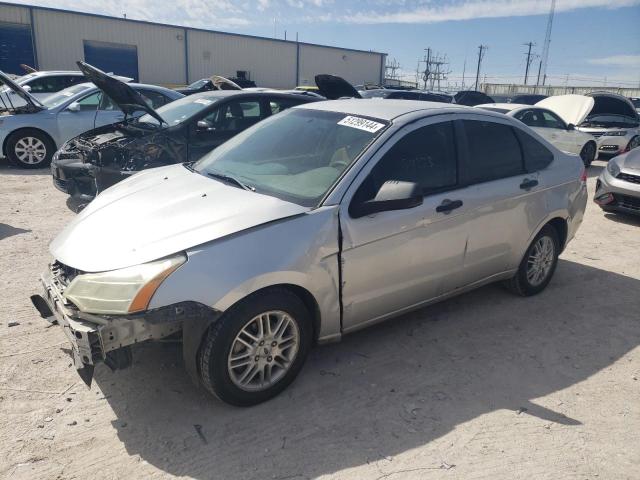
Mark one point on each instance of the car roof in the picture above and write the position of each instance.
(383, 108)
(217, 94)
(506, 106)
(55, 72)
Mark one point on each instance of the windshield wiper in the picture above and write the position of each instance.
(230, 179)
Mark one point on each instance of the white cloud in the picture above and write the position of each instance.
(472, 9)
(617, 61)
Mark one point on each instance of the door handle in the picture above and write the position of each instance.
(447, 205)
(528, 183)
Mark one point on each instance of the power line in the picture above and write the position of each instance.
(547, 43)
(481, 51)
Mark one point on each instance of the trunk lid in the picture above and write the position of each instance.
(333, 87)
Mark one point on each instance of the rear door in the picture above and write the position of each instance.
(504, 196)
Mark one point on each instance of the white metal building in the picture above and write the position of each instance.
(52, 39)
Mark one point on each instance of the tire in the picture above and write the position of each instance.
(223, 375)
(30, 148)
(588, 153)
(633, 143)
(522, 284)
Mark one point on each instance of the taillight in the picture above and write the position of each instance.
(583, 176)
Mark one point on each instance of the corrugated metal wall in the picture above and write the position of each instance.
(14, 14)
(59, 42)
(162, 49)
(270, 63)
(355, 67)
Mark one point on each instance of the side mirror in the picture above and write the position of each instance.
(393, 195)
(571, 126)
(74, 107)
(26, 88)
(204, 126)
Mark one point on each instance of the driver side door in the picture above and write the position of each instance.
(399, 259)
(72, 123)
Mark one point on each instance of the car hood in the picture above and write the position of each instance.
(333, 87)
(612, 104)
(5, 101)
(571, 108)
(630, 161)
(159, 212)
(122, 94)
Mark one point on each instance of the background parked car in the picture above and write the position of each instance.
(41, 84)
(422, 95)
(610, 118)
(181, 131)
(30, 134)
(551, 127)
(216, 82)
(618, 186)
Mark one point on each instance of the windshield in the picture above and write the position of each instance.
(62, 96)
(609, 121)
(198, 84)
(296, 155)
(178, 111)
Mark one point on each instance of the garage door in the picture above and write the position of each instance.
(112, 58)
(16, 47)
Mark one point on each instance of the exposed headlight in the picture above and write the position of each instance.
(127, 290)
(613, 168)
(615, 133)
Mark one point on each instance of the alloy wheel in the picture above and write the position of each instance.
(263, 351)
(540, 261)
(30, 150)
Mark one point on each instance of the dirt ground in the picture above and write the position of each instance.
(484, 386)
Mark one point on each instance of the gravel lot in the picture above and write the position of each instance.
(486, 385)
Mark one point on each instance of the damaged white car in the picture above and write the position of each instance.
(314, 223)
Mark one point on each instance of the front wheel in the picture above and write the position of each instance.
(538, 265)
(30, 148)
(588, 153)
(257, 348)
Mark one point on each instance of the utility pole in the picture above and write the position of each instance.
(434, 69)
(547, 41)
(529, 60)
(539, 70)
(464, 69)
(481, 51)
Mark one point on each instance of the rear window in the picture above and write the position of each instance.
(494, 151)
(536, 155)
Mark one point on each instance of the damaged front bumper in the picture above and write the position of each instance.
(106, 339)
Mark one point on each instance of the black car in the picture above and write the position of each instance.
(181, 131)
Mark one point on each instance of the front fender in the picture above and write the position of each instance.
(301, 250)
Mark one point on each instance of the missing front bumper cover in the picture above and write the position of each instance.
(107, 339)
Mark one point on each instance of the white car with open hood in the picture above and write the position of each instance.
(316, 222)
(610, 118)
(551, 127)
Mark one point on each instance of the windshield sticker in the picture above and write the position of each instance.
(203, 101)
(361, 124)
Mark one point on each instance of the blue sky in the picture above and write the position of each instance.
(591, 39)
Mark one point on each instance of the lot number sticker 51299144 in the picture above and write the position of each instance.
(361, 123)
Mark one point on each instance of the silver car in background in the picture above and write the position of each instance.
(618, 186)
(314, 223)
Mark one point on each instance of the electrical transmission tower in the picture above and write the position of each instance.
(435, 69)
(390, 70)
(530, 58)
(547, 42)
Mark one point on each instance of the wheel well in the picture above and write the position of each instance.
(560, 226)
(4, 145)
(309, 301)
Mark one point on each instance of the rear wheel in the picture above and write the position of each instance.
(30, 148)
(257, 348)
(588, 153)
(538, 265)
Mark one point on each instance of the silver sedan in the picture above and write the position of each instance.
(314, 223)
(618, 186)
